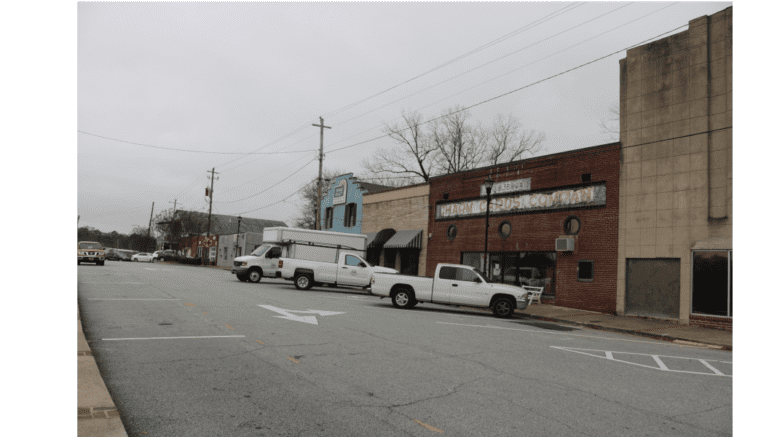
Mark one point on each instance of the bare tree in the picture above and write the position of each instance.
(174, 228)
(610, 124)
(460, 146)
(414, 155)
(507, 142)
(307, 213)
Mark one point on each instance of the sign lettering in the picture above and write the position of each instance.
(588, 196)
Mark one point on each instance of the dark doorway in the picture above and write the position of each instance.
(408, 260)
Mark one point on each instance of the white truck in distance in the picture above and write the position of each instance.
(338, 266)
(293, 243)
(453, 284)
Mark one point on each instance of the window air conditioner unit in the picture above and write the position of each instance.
(565, 244)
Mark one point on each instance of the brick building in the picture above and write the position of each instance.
(572, 197)
(675, 237)
(396, 223)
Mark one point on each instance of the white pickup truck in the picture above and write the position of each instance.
(453, 284)
(345, 268)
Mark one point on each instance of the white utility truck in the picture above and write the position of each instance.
(337, 259)
(300, 245)
(452, 284)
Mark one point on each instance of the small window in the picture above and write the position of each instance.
(328, 219)
(445, 196)
(350, 215)
(351, 260)
(572, 225)
(448, 273)
(451, 232)
(586, 177)
(585, 271)
(504, 229)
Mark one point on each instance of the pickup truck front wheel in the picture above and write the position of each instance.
(403, 299)
(255, 276)
(503, 307)
(303, 282)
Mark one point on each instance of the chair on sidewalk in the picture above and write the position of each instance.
(534, 293)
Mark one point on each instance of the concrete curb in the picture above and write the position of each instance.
(632, 332)
(97, 414)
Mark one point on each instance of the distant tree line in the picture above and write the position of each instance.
(137, 240)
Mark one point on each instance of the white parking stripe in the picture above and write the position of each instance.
(659, 362)
(173, 338)
(717, 372)
(108, 298)
(534, 331)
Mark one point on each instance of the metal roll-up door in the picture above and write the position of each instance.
(653, 287)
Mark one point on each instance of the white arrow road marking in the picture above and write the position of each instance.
(287, 314)
(608, 355)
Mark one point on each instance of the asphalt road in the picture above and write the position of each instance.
(189, 350)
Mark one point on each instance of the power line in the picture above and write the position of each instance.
(518, 89)
(272, 186)
(485, 64)
(192, 151)
(484, 46)
(264, 176)
(546, 57)
(275, 203)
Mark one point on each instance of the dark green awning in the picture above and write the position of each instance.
(405, 240)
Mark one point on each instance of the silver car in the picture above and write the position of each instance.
(146, 257)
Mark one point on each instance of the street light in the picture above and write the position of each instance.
(488, 183)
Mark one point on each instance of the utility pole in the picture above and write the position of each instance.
(150, 218)
(212, 177)
(171, 226)
(320, 169)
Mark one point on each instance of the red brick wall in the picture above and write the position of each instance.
(726, 324)
(537, 231)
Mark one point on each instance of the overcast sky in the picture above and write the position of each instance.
(254, 77)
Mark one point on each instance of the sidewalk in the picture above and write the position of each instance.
(653, 328)
(97, 414)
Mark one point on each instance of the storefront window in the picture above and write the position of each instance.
(535, 269)
(712, 283)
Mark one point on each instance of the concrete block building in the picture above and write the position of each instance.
(675, 233)
(396, 223)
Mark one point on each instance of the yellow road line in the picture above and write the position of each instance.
(429, 427)
(190, 305)
(293, 360)
(227, 325)
(260, 342)
(205, 312)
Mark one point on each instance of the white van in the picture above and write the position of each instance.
(293, 243)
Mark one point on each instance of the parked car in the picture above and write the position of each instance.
(143, 257)
(166, 255)
(452, 284)
(91, 252)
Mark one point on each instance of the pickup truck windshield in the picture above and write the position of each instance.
(89, 246)
(260, 250)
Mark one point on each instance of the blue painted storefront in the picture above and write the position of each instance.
(344, 184)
